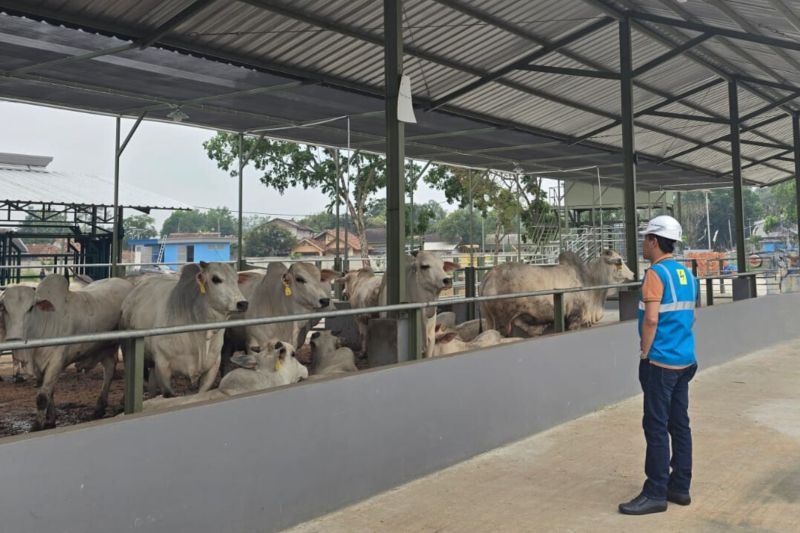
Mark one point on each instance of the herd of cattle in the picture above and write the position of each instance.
(263, 356)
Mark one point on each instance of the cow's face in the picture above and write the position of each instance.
(16, 306)
(279, 358)
(618, 270)
(431, 274)
(219, 283)
(308, 286)
(324, 343)
(353, 278)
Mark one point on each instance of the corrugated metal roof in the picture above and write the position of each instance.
(41, 186)
(255, 64)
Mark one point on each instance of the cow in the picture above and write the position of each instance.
(426, 277)
(533, 314)
(264, 368)
(362, 289)
(448, 342)
(329, 357)
(302, 288)
(204, 292)
(53, 310)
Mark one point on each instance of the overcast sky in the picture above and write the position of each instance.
(164, 158)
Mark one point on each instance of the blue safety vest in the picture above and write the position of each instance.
(674, 342)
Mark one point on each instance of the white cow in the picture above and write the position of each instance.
(272, 366)
(329, 357)
(207, 292)
(448, 342)
(426, 277)
(534, 314)
(53, 310)
(301, 288)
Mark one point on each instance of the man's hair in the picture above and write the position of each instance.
(665, 245)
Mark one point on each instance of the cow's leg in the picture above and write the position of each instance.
(163, 374)
(207, 379)
(45, 408)
(109, 363)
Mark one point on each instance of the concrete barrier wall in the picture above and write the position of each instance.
(267, 461)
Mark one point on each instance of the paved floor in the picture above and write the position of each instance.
(746, 419)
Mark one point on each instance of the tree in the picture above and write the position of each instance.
(325, 220)
(139, 227)
(459, 227)
(286, 164)
(43, 223)
(268, 240)
(721, 213)
(219, 220)
(426, 216)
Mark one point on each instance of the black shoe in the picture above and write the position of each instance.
(643, 505)
(679, 497)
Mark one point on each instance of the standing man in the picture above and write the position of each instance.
(667, 365)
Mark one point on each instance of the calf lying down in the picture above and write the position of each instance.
(329, 357)
(273, 366)
(448, 341)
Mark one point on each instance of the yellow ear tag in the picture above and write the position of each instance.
(202, 287)
(287, 290)
(278, 365)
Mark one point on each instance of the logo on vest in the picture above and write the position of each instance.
(682, 277)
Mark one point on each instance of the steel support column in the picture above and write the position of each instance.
(116, 229)
(337, 260)
(796, 139)
(240, 249)
(736, 172)
(628, 145)
(395, 183)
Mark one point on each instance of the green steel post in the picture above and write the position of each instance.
(558, 312)
(240, 249)
(469, 290)
(395, 139)
(709, 292)
(134, 374)
(628, 144)
(736, 171)
(117, 227)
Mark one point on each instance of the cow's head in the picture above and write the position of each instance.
(308, 287)
(277, 357)
(17, 305)
(617, 270)
(353, 278)
(324, 343)
(430, 273)
(218, 284)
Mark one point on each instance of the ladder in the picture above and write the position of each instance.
(162, 245)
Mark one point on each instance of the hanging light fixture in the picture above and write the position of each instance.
(177, 114)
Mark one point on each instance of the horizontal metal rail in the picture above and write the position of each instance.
(97, 265)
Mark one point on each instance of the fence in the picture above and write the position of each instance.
(409, 316)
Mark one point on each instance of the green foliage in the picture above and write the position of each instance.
(219, 220)
(325, 220)
(33, 224)
(771, 223)
(426, 216)
(720, 211)
(268, 240)
(139, 227)
(459, 227)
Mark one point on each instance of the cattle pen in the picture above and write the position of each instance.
(651, 96)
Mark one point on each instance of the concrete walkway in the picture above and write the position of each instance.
(746, 422)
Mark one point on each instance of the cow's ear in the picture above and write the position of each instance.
(45, 305)
(414, 253)
(328, 275)
(447, 337)
(449, 266)
(242, 277)
(287, 278)
(203, 265)
(245, 361)
(200, 278)
(439, 327)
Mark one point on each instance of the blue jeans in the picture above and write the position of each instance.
(666, 406)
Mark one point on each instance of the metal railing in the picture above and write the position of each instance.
(409, 313)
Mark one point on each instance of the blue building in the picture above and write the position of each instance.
(182, 248)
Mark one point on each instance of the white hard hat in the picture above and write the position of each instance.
(664, 226)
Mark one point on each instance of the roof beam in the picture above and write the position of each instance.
(601, 74)
(614, 10)
(773, 105)
(776, 146)
(683, 116)
(142, 42)
(522, 62)
(671, 54)
(671, 100)
(774, 42)
(712, 142)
